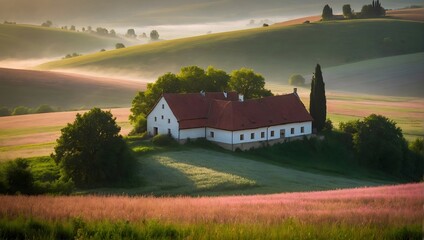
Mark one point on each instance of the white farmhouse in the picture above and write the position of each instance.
(228, 120)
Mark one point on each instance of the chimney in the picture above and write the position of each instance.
(241, 98)
(202, 93)
(225, 94)
(295, 92)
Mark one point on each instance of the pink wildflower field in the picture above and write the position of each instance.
(386, 205)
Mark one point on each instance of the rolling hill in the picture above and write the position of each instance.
(276, 52)
(28, 41)
(67, 91)
(395, 76)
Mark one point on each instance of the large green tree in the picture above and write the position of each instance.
(248, 83)
(327, 12)
(318, 101)
(91, 152)
(379, 144)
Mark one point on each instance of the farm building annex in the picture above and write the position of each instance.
(228, 120)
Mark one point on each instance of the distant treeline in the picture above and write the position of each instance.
(375, 9)
(22, 110)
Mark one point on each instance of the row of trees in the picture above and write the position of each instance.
(195, 79)
(21, 110)
(368, 11)
(154, 35)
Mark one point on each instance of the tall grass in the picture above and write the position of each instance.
(391, 212)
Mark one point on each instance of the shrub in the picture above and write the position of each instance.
(119, 45)
(44, 109)
(21, 110)
(18, 177)
(140, 125)
(296, 80)
(163, 140)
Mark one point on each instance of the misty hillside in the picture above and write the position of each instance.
(67, 91)
(28, 41)
(137, 13)
(275, 52)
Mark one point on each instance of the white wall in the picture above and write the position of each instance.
(192, 133)
(219, 135)
(162, 123)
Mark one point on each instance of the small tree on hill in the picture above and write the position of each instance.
(318, 102)
(154, 35)
(47, 23)
(119, 45)
(297, 80)
(347, 11)
(91, 152)
(131, 33)
(327, 13)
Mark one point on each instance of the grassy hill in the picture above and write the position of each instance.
(28, 41)
(395, 76)
(276, 51)
(67, 91)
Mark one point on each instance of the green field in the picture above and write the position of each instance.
(393, 76)
(19, 41)
(63, 90)
(204, 172)
(276, 52)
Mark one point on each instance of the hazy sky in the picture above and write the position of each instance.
(139, 13)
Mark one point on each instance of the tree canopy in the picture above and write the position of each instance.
(327, 12)
(154, 35)
(347, 11)
(373, 10)
(91, 152)
(379, 144)
(318, 101)
(245, 81)
(296, 80)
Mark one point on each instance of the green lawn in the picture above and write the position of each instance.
(276, 52)
(198, 171)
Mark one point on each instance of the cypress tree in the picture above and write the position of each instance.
(318, 102)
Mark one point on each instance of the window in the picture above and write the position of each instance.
(212, 134)
(241, 137)
(262, 134)
(252, 136)
(163, 106)
(272, 133)
(169, 131)
(292, 130)
(302, 129)
(156, 119)
(282, 133)
(169, 120)
(162, 116)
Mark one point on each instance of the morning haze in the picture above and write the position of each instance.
(225, 119)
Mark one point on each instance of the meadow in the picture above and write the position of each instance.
(36, 134)
(67, 91)
(389, 212)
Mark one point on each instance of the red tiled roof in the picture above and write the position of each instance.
(214, 110)
(256, 113)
